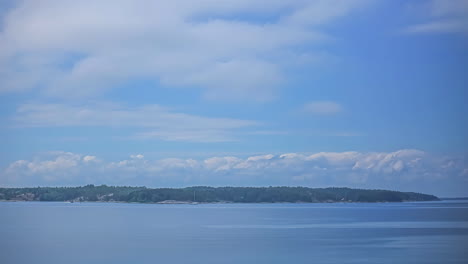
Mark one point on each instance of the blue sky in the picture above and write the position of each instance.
(181, 94)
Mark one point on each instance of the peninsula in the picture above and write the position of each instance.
(202, 194)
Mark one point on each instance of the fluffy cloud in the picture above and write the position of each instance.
(403, 170)
(445, 17)
(73, 48)
(52, 167)
(137, 156)
(89, 158)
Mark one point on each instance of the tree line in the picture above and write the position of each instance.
(204, 194)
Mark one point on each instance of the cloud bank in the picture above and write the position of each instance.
(411, 170)
(81, 48)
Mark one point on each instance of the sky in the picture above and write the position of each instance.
(355, 93)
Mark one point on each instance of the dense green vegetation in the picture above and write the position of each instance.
(202, 194)
(89, 193)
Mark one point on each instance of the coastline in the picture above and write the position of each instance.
(206, 194)
(224, 202)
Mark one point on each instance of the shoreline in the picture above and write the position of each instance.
(206, 194)
(203, 203)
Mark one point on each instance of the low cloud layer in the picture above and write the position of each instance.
(409, 170)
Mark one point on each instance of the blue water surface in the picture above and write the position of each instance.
(50, 232)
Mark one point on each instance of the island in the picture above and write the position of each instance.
(204, 194)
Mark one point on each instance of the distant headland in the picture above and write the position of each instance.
(202, 194)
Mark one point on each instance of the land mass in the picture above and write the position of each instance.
(202, 194)
(454, 198)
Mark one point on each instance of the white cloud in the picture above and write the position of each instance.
(73, 48)
(221, 163)
(89, 158)
(261, 157)
(336, 158)
(137, 156)
(444, 17)
(53, 166)
(322, 108)
(404, 170)
(158, 122)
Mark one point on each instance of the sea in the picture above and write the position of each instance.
(58, 232)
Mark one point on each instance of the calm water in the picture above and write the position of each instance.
(429, 232)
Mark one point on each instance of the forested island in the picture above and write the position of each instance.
(201, 194)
